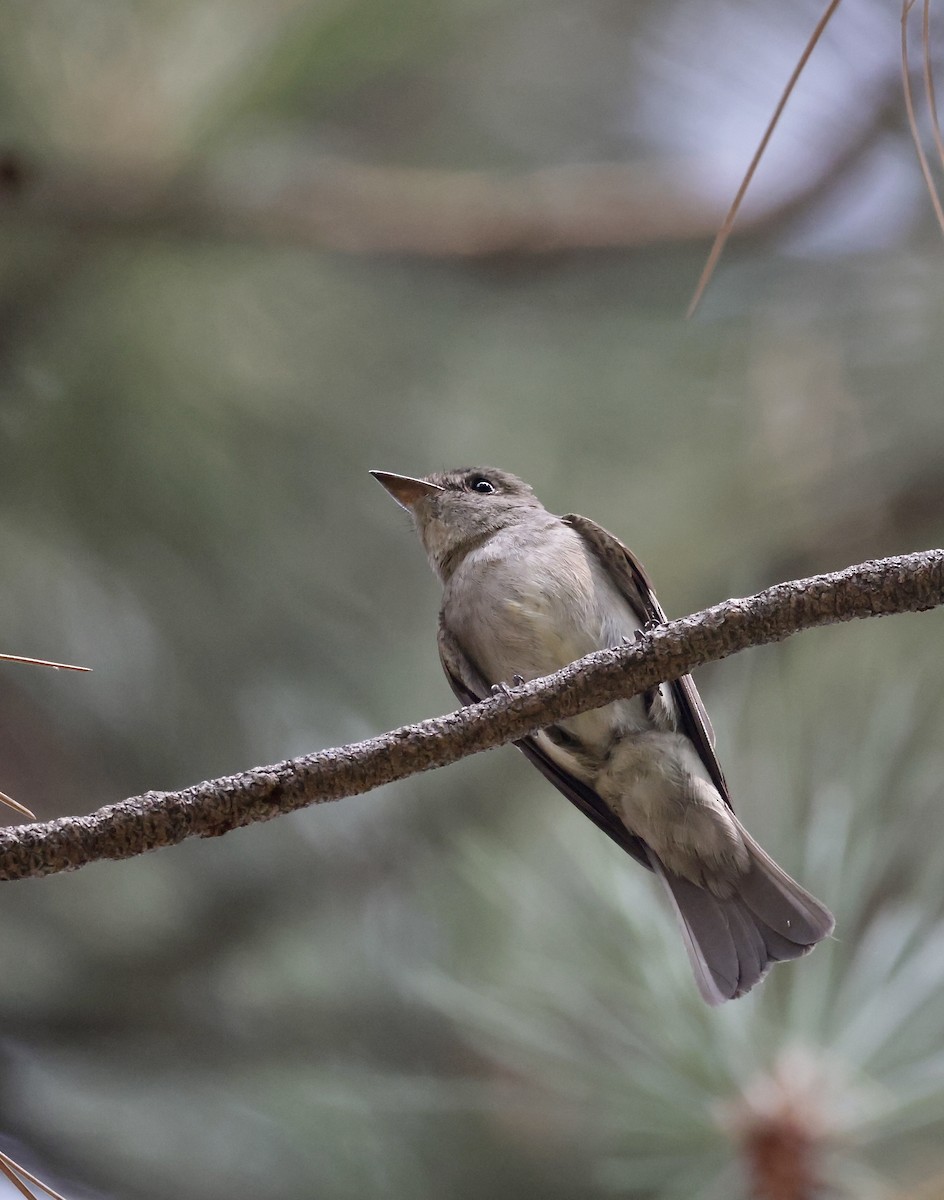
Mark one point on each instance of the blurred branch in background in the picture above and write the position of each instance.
(912, 583)
(435, 213)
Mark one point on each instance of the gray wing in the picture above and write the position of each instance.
(630, 577)
(469, 687)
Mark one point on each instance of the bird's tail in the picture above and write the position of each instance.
(732, 942)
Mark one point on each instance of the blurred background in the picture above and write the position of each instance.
(248, 252)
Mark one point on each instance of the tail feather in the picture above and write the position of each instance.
(732, 942)
(749, 939)
(711, 949)
(779, 948)
(780, 902)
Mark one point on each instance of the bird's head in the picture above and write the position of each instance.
(455, 511)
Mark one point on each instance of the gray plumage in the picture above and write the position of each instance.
(526, 592)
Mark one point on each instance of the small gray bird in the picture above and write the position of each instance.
(524, 594)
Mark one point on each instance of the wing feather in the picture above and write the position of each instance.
(633, 582)
(468, 687)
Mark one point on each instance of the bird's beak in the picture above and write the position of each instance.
(406, 490)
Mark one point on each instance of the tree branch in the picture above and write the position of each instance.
(910, 583)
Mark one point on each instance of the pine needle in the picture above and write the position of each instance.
(727, 224)
(16, 806)
(4, 798)
(12, 1170)
(929, 81)
(906, 7)
(42, 662)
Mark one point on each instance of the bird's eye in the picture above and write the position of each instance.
(480, 484)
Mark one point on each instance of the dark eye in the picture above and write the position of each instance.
(478, 483)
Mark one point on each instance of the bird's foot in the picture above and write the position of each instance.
(639, 634)
(504, 689)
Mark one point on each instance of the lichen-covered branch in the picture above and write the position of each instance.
(910, 583)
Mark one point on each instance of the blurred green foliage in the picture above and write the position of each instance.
(455, 987)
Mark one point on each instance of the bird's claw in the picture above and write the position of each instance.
(504, 689)
(639, 634)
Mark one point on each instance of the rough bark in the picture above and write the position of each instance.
(910, 583)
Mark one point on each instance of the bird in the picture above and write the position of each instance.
(525, 592)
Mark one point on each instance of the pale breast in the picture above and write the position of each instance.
(527, 605)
